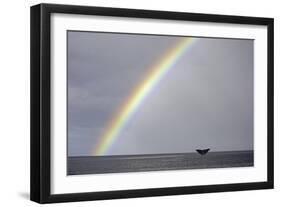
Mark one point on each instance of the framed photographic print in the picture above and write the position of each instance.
(133, 103)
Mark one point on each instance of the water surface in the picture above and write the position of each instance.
(137, 163)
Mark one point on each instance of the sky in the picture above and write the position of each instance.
(204, 101)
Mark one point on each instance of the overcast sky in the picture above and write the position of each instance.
(205, 101)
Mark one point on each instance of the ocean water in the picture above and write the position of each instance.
(138, 163)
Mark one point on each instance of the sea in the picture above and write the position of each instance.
(78, 165)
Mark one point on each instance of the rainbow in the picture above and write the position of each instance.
(131, 104)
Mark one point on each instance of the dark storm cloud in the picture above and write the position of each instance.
(206, 100)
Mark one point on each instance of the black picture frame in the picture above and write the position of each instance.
(40, 176)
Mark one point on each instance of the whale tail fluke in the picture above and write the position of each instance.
(203, 151)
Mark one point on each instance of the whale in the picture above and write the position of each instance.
(203, 151)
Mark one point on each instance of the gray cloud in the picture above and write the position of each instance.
(206, 100)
